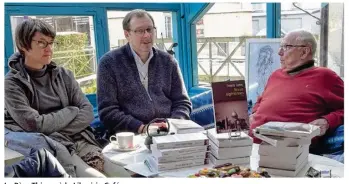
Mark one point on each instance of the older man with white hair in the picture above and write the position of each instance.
(299, 91)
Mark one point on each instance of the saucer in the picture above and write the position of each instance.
(116, 147)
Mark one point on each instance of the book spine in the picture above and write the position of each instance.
(181, 164)
(181, 151)
(202, 155)
(283, 172)
(237, 161)
(284, 134)
(236, 152)
(287, 165)
(182, 144)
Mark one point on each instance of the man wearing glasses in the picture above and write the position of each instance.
(299, 91)
(137, 83)
(45, 107)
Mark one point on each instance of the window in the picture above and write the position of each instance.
(336, 37)
(163, 24)
(220, 44)
(222, 49)
(293, 17)
(168, 26)
(76, 50)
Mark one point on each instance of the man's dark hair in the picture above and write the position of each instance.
(139, 13)
(26, 30)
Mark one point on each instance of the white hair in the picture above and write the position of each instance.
(305, 37)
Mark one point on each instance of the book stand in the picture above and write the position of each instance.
(235, 133)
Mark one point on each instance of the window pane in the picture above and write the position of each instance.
(221, 44)
(163, 24)
(336, 37)
(76, 50)
(293, 18)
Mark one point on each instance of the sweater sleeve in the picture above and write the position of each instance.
(28, 118)
(109, 110)
(78, 99)
(334, 99)
(181, 105)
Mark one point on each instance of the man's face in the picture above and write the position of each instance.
(141, 34)
(41, 49)
(292, 53)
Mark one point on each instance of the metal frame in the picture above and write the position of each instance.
(184, 18)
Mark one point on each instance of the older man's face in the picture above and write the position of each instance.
(291, 52)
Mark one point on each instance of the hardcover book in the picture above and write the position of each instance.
(230, 106)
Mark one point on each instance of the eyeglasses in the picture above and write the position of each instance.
(43, 44)
(287, 47)
(141, 32)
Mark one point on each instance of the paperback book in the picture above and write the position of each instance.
(178, 151)
(232, 152)
(180, 141)
(230, 106)
(225, 140)
(181, 126)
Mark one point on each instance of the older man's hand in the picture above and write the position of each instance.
(250, 119)
(322, 122)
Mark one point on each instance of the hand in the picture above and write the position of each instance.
(322, 123)
(158, 124)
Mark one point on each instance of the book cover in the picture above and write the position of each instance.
(181, 126)
(193, 156)
(224, 140)
(233, 152)
(230, 106)
(174, 165)
(238, 161)
(180, 141)
(178, 151)
(289, 129)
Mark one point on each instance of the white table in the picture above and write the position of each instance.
(12, 156)
(115, 159)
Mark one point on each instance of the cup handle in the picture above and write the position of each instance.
(113, 136)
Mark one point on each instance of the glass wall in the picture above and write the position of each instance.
(76, 48)
(221, 44)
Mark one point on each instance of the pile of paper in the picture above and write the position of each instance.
(178, 151)
(285, 147)
(228, 149)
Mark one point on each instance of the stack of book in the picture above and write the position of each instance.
(178, 151)
(285, 147)
(228, 149)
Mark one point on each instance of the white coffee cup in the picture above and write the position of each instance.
(122, 140)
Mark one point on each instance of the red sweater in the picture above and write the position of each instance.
(309, 95)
